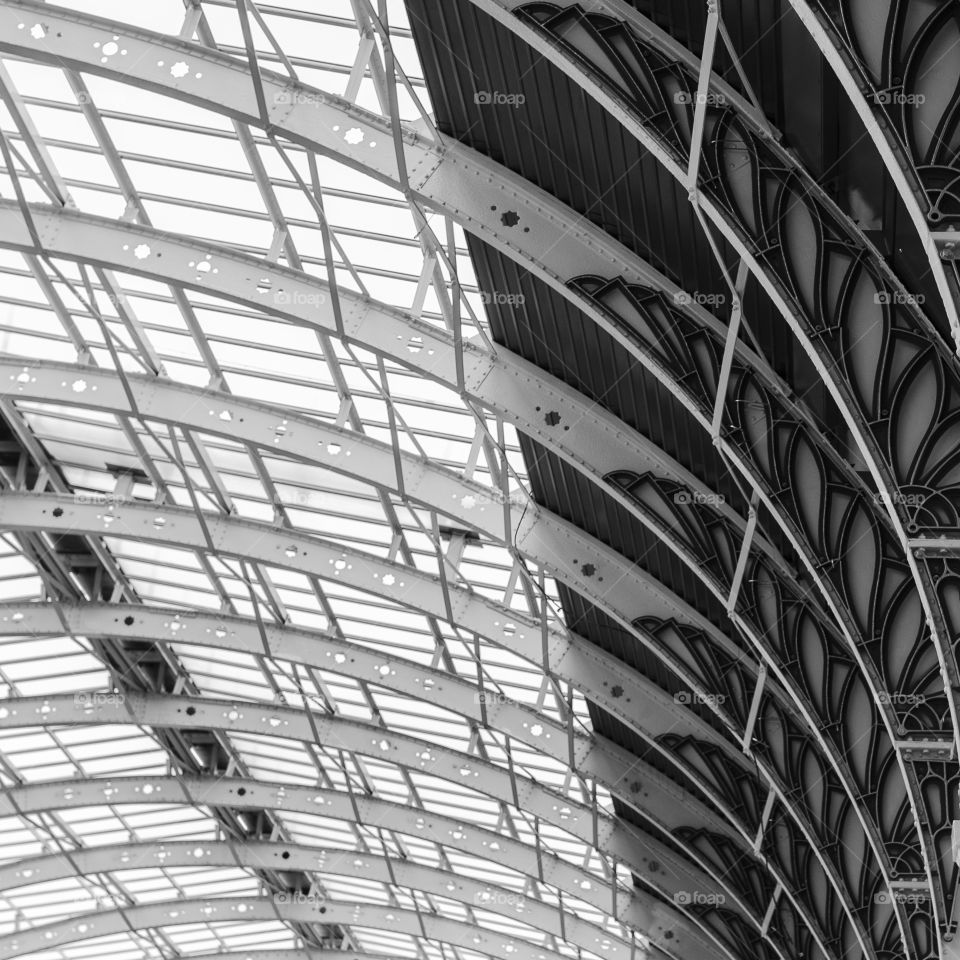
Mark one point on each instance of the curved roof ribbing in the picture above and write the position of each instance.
(477, 479)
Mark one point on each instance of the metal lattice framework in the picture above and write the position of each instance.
(344, 612)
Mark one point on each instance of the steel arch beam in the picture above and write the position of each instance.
(590, 438)
(328, 861)
(371, 461)
(641, 853)
(619, 590)
(634, 907)
(178, 526)
(627, 591)
(102, 923)
(651, 713)
(276, 428)
(641, 705)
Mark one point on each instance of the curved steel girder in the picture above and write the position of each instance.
(588, 437)
(264, 543)
(655, 714)
(792, 310)
(661, 923)
(75, 236)
(648, 858)
(470, 503)
(652, 712)
(326, 861)
(103, 923)
(160, 399)
(896, 156)
(627, 591)
(255, 423)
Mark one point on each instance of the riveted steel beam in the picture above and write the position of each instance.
(468, 502)
(362, 571)
(626, 601)
(641, 704)
(665, 926)
(579, 431)
(636, 701)
(615, 586)
(664, 805)
(541, 535)
(327, 861)
(103, 923)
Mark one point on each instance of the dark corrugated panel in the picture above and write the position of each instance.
(584, 618)
(564, 143)
(559, 139)
(549, 331)
(568, 493)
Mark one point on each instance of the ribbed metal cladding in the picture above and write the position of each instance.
(559, 139)
(563, 142)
